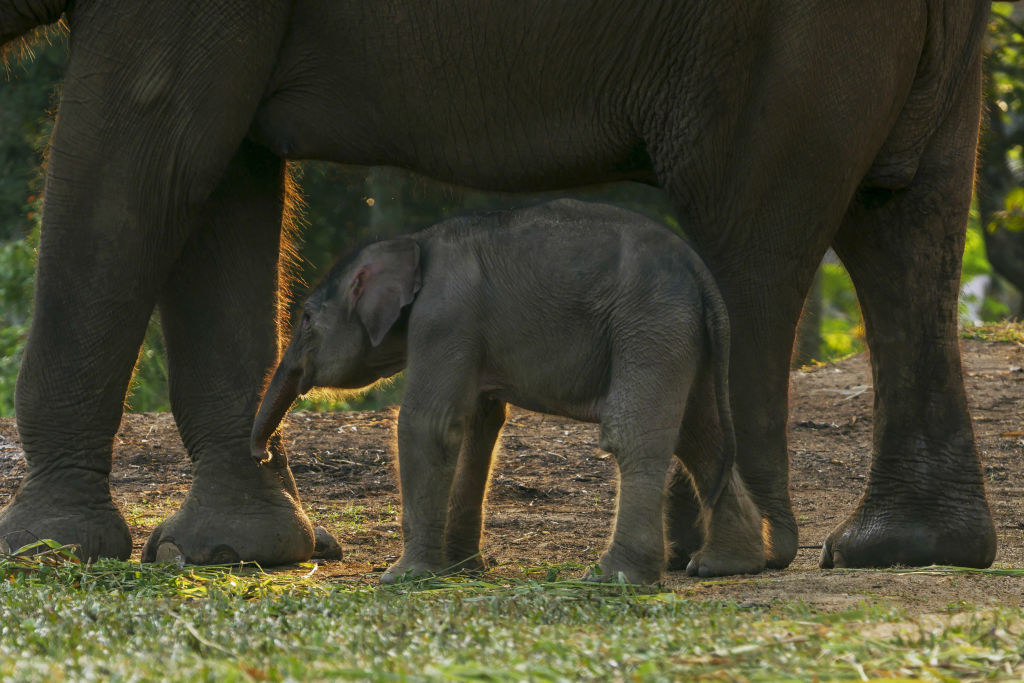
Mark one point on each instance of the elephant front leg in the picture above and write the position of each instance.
(70, 395)
(465, 507)
(925, 497)
(639, 427)
(219, 312)
(146, 129)
(429, 436)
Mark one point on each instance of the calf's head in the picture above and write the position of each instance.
(346, 338)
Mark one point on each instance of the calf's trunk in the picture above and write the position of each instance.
(282, 392)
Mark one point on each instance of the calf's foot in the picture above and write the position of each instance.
(325, 545)
(622, 565)
(75, 509)
(468, 560)
(734, 543)
(409, 569)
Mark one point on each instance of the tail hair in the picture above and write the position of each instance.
(716, 321)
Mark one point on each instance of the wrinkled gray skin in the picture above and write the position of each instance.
(777, 128)
(582, 310)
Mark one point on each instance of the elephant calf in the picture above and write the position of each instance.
(577, 309)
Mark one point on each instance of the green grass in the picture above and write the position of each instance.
(149, 511)
(60, 618)
(1005, 331)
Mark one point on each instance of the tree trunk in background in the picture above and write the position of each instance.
(808, 332)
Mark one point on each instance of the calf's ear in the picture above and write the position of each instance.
(387, 280)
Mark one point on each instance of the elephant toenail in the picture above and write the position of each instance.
(224, 554)
(169, 553)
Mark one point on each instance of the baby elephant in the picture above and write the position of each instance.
(576, 309)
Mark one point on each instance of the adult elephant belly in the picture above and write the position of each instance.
(515, 107)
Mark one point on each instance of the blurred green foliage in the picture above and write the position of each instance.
(26, 95)
(842, 330)
(17, 266)
(346, 205)
(1000, 199)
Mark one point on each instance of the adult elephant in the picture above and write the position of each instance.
(778, 128)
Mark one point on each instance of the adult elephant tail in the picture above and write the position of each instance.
(18, 21)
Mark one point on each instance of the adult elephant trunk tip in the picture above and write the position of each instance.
(282, 392)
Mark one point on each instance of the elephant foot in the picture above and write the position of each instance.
(465, 560)
(735, 536)
(455, 562)
(83, 516)
(247, 514)
(744, 527)
(734, 544)
(709, 562)
(410, 570)
(325, 545)
(778, 534)
(916, 535)
(618, 565)
(776, 544)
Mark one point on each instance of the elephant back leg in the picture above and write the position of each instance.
(466, 503)
(761, 179)
(925, 501)
(728, 540)
(144, 132)
(640, 422)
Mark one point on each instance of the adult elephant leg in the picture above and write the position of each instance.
(763, 279)
(91, 309)
(925, 499)
(219, 313)
(764, 306)
(146, 127)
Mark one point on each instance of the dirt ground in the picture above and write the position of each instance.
(552, 490)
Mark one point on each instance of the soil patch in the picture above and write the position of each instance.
(552, 489)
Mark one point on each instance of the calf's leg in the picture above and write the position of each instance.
(465, 506)
(727, 538)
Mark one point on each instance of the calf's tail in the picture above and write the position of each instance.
(716, 321)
